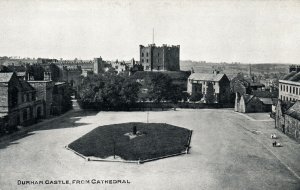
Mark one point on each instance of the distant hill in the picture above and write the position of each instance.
(231, 69)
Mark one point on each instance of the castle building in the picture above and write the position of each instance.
(99, 65)
(160, 58)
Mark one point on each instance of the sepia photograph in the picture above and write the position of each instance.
(150, 94)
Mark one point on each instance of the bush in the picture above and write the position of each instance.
(196, 97)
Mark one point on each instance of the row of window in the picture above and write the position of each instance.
(147, 54)
(28, 97)
(204, 82)
(287, 98)
(290, 89)
(146, 60)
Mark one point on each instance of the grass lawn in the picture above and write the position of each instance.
(158, 139)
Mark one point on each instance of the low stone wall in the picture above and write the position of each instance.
(144, 106)
(87, 158)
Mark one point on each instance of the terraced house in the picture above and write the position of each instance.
(18, 104)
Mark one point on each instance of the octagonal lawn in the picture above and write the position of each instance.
(153, 140)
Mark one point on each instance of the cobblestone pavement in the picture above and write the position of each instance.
(229, 151)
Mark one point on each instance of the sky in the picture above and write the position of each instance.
(216, 31)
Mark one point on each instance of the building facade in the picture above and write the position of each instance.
(160, 58)
(289, 86)
(251, 103)
(287, 118)
(18, 103)
(199, 83)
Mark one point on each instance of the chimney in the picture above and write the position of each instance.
(292, 68)
(215, 72)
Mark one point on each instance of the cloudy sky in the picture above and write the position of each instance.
(242, 31)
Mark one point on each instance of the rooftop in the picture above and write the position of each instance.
(206, 76)
(292, 76)
(294, 111)
(5, 77)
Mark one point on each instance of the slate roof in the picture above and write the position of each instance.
(206, 76)
(248, 97)
(294, 111)
(292, 76)
(5, 77)
(285, 105)
(26, 86)
(252, 84)
(295, 78)
(266, 101)
(265, 94)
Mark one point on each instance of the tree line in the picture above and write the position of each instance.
(109, 90)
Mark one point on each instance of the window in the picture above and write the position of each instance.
(147, 60)
(293, 90)
(281, 87)
(142, 54)
(27, 97)
(157, 54)
(147, 54)
(142, 60)
(25, 115)
(290, 89)
(14, 97)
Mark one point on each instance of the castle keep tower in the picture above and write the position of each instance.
(160, 58)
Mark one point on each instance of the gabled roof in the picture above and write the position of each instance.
(292, 76)
(247, 97)
(5, 77)
(294, 111)
(206, 76)
(256, 84)
(295, 78)
(26, 86)
(265, 94)
(285, 105)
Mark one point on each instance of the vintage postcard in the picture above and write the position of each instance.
(150, 94)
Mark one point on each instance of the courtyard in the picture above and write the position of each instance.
(228, 151)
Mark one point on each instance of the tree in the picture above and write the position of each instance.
(174, 93)
(159, 87)
(196, 97)
(209, 96)
(129, 92)
(109, 90)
